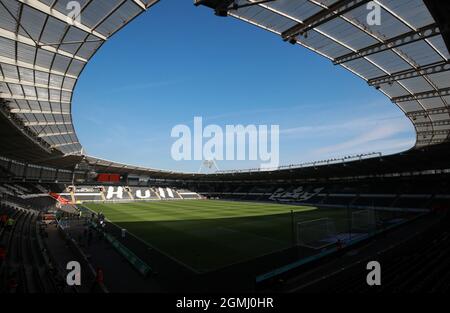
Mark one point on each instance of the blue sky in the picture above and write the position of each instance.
(177, 61)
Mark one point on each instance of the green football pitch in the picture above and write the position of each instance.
(209, 234)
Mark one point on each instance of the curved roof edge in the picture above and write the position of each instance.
(44, 47)
(403, 52)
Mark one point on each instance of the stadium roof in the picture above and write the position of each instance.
(43, 51)
(405, 56)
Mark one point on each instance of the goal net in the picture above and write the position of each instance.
(316, 234)
(363, 221)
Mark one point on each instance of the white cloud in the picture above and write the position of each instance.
(354, 125)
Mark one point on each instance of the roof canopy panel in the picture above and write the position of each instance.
(402, 54)
(44, 46)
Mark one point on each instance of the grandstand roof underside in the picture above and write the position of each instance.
(405, 57)
(43, 52)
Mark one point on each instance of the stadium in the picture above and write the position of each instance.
(74, 223)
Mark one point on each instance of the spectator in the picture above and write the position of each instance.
(89, 239)
(10, 223)
(85, 232)
(2, 254)
(3, 220)
(12, 283)
(99, 278)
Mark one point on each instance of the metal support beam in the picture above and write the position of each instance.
(30, 84)
(323, 16)
(38, 112)
(41, 170)
(40, 6)
(440, 11)
(223, 7)
(34, 67)
(46, 123)
(113, 10)
(433, 133)
(395, 42)
(441, 110)
(423, 95)
(144, 6)
(24, 172)
(236, 6)
(435, 123)
(55, 177)
(16, 97)
(429, 69)
(27, 41)
(429, 142)
(140, 4)
(54, 134)
(64, 144)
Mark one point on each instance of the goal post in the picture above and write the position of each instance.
(316, 234)
(363, 221)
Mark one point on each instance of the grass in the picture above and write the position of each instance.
(208, 234)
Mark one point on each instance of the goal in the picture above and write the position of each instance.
(316, 234)
(363, 221)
